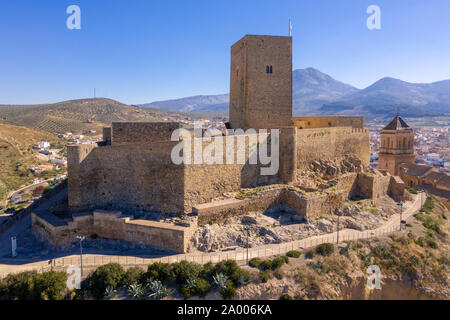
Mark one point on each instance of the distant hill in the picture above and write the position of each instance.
(197, 104)
(73, 115)
(312, 88)
(387, 94)
(316, 93)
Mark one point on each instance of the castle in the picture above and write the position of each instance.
(132, 168)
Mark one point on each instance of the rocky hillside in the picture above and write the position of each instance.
(414, 265)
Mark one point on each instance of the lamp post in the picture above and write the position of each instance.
(81, 238)
(338, 220)
(247, 229)
(401, 213)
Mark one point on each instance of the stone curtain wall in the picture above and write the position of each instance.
(142, 132)
(137, 177)
(332, 144)
(204, 182)
(327, 122)
(112, 225)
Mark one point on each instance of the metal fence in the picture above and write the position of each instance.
(241, 255)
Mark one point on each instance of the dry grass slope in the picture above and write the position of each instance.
(17, 156)
(74, 115)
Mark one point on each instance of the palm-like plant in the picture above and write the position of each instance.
(220, 280)
(110, 292)
(191, 283)
(157, 290)
(136, 290)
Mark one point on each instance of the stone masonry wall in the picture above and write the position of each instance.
(138, 176)
(141, 132)
(328, 122)
(332, 144)
(112, 225)
(259, 99)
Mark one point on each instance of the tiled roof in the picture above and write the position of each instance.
(396, 124)
(416, 170)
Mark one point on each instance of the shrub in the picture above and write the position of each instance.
(207, 270)
(325, 249)
(277, 263)
(411, 190)
(184, 270)
(293, 254)
(344, 250)
(286, 297)
(255, 262)
(202, 288)
(228, 292)
(432, 244)
(266, 265)
(195, 287)
(419, 241)
(50, 285)
(19, 286)
(159, 271)
(133, 275)
(310, 254)
(429, 222)
(227, 268)
(240, 277)
(108, 275)
(263, 276)
(286, 259)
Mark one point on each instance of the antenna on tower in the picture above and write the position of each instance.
(94, 94)
(398, 111)
(290, 28)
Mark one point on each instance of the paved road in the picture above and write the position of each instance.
(93, 260)
(24, 224)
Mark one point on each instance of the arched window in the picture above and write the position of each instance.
(269, 68)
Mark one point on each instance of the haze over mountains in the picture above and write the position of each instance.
(316, 93)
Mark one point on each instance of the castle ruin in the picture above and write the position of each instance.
(132, 168)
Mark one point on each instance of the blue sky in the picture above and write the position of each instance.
(138, 51)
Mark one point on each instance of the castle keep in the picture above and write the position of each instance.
(132, 168)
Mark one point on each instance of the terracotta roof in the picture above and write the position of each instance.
(416, 170)
(397, 124)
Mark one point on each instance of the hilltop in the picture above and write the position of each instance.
(74, 115)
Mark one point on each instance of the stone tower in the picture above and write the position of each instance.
(261, 82)
(397, 146)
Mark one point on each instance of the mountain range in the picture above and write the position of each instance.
(316, 93)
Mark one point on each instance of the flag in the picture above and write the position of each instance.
(290, 28)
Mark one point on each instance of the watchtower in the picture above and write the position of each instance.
(261, 82)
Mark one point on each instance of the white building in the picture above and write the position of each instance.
(43, 144)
